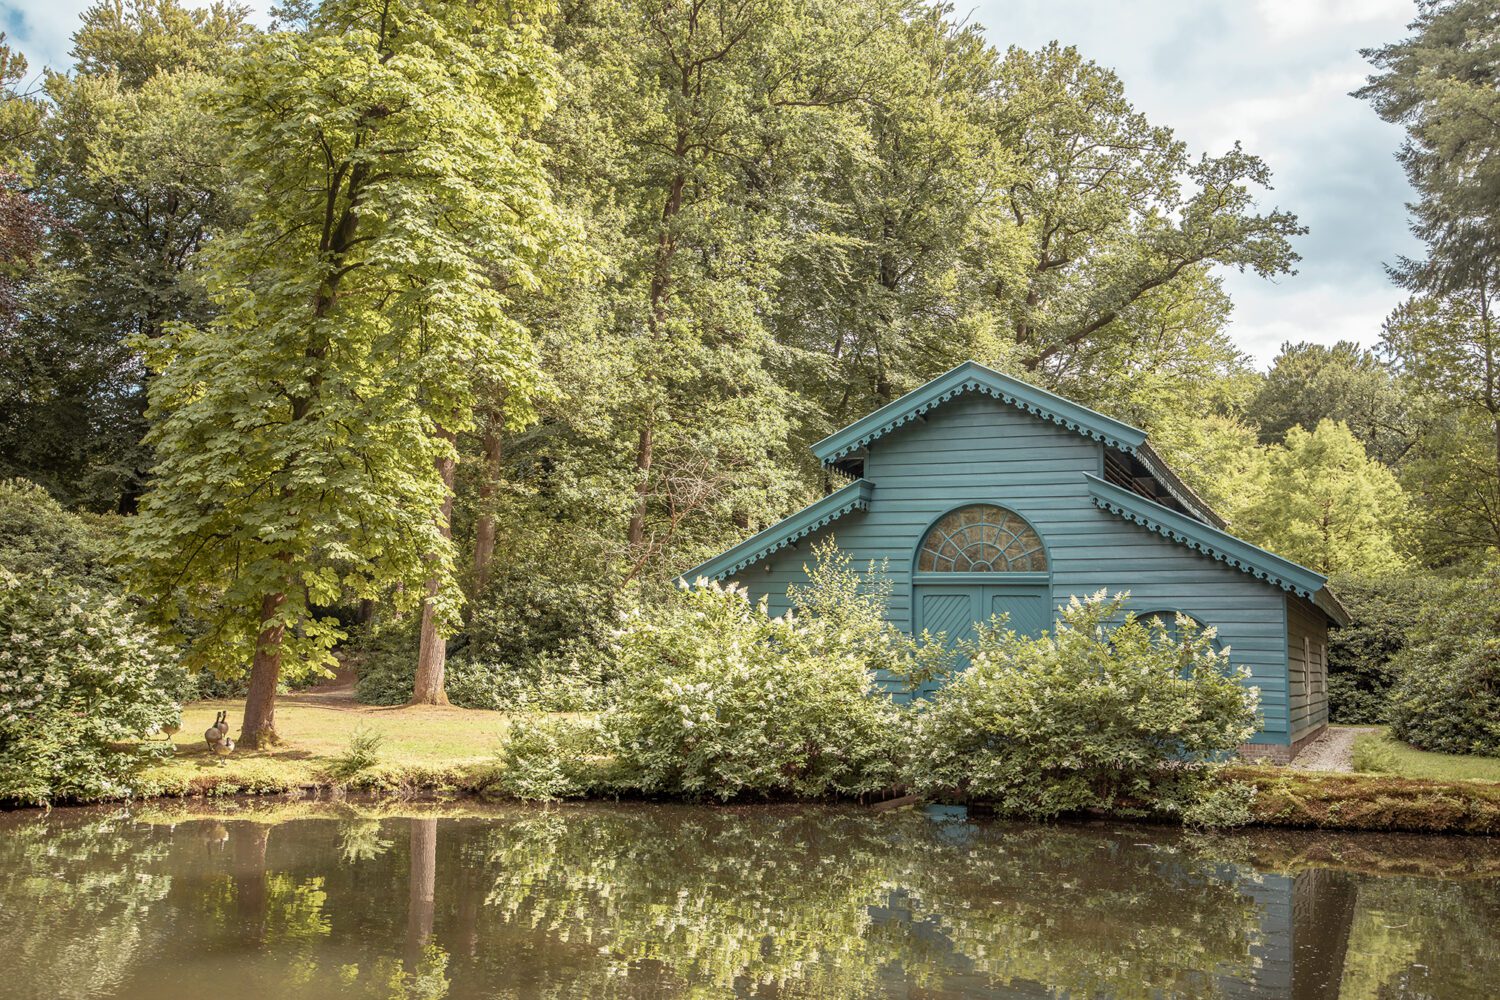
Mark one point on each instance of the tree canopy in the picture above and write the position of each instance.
(495, 312)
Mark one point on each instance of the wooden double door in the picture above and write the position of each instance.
(956, 608)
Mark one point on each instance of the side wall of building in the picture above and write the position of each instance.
(976, 449)
(1307, 668)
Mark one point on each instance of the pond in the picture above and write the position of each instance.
(318, 900)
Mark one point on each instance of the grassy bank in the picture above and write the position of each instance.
(451, 751)
(1377, 752)
(426, 748)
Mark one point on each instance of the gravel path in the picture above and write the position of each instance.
(1333, 751)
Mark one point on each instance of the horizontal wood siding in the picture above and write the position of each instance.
(1307, 666)
(976, 449)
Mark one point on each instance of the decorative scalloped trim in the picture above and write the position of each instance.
(974, 385)
(856, 503)
(1213, 552)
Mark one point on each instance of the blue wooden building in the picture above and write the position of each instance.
(988, 495)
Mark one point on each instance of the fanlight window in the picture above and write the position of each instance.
(1167, 618)
(981, 538)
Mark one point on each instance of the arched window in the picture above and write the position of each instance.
(981, 538)
(1168, 619)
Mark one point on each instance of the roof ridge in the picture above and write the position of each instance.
(971, 376)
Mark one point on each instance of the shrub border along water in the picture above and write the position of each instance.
(1284, 797)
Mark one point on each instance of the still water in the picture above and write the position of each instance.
(315, 900)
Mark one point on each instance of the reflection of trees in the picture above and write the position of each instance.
(717, 898)
(75, 898)
(360, 840)
(678, 901)
(1082, 914)
(1419, 939)
(247, 848)
(822, 902)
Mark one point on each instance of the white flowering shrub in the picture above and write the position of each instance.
(80, 681)
(1126, 718)
(717, 698)
(547, 757)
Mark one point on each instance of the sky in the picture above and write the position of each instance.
(1273, 74)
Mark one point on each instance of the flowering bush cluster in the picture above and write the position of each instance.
(716, 698)
(1095, 715)
(77, 675)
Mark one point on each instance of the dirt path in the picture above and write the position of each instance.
(1333, 751)
(338, 689)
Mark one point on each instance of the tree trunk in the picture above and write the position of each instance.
(484, 526)
(421, 889)
(637, 534)
(248, 861)
(432, 651)
(258, 727)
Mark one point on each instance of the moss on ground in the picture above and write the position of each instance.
(1371, 802)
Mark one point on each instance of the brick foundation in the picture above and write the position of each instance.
(1279, 753)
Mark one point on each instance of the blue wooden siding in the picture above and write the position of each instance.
(1307, 667)
(977, 449)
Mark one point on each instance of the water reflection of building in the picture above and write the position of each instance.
(1305, 924)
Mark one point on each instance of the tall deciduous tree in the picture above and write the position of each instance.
(1343, 382)
(129, 167)
(1449, 345)
(682, 129)
(903, 216)
(394, 208)
(1326, 505)
(1112, 208)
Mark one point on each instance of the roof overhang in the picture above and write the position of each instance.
(971, 376)
(1328, 603)
(855, 496)
(1181, 491)
(1217, 544)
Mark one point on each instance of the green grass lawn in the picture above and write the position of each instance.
(424, 745)
(1379, 753)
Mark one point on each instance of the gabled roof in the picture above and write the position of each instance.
(855, 496)
(971, 376)
(1217, 544)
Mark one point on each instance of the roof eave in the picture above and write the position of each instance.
(855, 496)
(1328, 602)
(1207, 539)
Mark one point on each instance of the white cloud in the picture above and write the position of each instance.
(1294, 18)
(42, 31)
